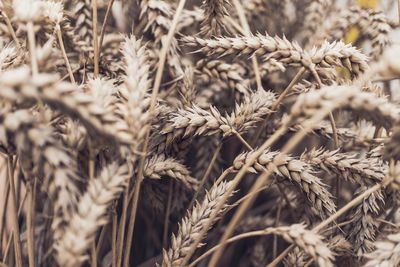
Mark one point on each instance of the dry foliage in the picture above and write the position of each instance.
(199, 133)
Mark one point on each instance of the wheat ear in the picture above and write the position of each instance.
(387, 252)
(349, 166)
(296, 172)
(193, 224)
(91, 213)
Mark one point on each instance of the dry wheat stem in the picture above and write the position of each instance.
(11, 237)
(3, 210)
(61, 43)
(95, 39)
(246, 31)
(11, 29)
(32, 47)
(167, 214)
(103, 27)
(30, 219)
(275, 105)
(206, 175)
(153, 100)
(14, 213)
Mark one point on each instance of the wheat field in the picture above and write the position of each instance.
(180, 133)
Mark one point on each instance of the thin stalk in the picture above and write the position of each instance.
(30, 220)
(206, 174)
(32, 47)
(114, 218)
(222, 176)
(242, 140)
(336, 145)
(285, 197)
(14, 213)
(3, 211)
(11, 239)
(275, 240)
(101, 239)
(247, 32)
(11, 29)
(287, 90)
(93, 262)
(103, 27)
(250, 148)
(61, 43)
(398, 9)
(91, 177)
(122, 225)
(280, 257)
(153, 101)
(334, 130)
(275, 105)
(95, 39)
(167, 212)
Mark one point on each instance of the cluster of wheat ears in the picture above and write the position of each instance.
(199, 133)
